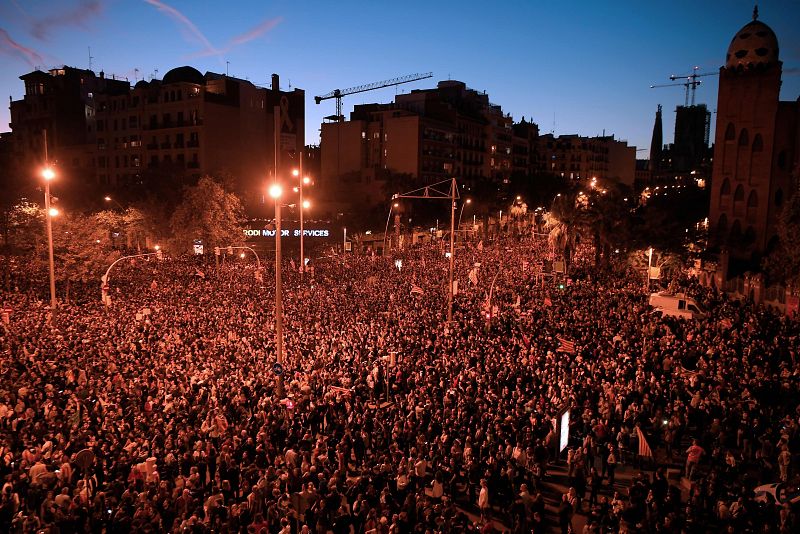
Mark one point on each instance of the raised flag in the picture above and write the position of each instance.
(644, 448)
(547, 301)
(480, 244)
(416, 290)
(566, 345)
(726, 323)
(526, 340)
(292, 264)
(473, 277)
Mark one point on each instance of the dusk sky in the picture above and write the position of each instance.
(574, 67)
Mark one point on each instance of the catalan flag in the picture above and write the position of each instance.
(644, 448)
(547, 301)
(566, 345)
(416, 290)
(473, 277)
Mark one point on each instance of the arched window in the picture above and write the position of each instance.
(725, 194)
(738, 201)
(782, 160)
(752, 206)
(722, 226)
(735, 237)
(730, 132)
(750, 235)
(744, 138)
(758, 143)
(779, 198)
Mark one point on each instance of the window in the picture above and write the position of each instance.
(738, 201)
(752, 206)
(744, 139)
(758, 143)
(730, 132)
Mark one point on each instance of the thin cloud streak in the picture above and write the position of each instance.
(256, 32)
(77, 16)
(10, 46)
(184, 21)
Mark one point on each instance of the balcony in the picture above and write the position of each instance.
(178, 144)
(193, 165)
(193, 143)
(166, 144)
(152, 146)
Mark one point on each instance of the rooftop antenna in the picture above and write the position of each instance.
(553, 131)
(227, 64)
(90, 57)
(136, 74)
(156, 74)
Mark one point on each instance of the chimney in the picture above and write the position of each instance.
(276, 86)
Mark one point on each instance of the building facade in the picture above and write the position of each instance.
(756, 145)
(186, 124)
(585, 158)
(427, 136)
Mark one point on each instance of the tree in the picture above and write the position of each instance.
(22, 227)
(782, 262)
(207, 212)
(82, 249)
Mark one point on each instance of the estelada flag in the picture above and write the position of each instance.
(644, 448)
(473, 277)
(416, 290)
(566, 345)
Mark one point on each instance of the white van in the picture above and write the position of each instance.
(676, 305)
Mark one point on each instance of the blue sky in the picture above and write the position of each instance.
(573, 67)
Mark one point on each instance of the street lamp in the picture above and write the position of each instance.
(109, 199)
(275, 191)
(388, 218)
(48, 174)
(460, 213)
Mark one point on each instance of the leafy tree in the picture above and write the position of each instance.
(22, 227)
(82, 249)
(207, 212)
(782, 263)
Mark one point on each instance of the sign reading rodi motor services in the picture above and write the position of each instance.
(287, 232)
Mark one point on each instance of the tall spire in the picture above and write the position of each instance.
(755, 12)
(657, 143)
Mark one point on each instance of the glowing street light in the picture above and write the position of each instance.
(275, 191)
(49, 174)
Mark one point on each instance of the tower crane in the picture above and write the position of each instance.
(339, 93)
(691, 82)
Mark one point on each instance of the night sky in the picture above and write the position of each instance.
(574, 67)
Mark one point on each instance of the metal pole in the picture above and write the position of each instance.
(386, 231)
(302, 209)
(278, 288)
(49, 218)
(278, 291)
(452, 248)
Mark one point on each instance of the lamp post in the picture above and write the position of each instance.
(386, 231)
(48, 175)
(460, 213)
(275, 192)
(304, 205)
(109, 199)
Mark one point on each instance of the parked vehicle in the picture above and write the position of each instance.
(676, 305)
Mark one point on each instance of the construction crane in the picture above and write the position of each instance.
(691, 83)
(339, 93)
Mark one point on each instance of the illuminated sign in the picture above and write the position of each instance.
(314, 232)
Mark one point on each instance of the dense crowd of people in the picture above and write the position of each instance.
(164, 412)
